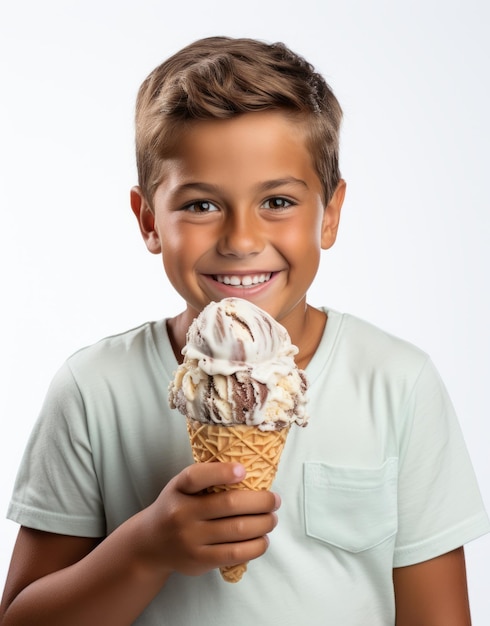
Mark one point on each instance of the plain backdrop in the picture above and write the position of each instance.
(412, 253)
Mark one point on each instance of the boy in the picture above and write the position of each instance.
(239, 191)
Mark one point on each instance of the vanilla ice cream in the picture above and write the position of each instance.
(239, 369)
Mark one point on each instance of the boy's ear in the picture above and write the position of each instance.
(331, 216)
(146, 220)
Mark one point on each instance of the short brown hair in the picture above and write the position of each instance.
(221, 77)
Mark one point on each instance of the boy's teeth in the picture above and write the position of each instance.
(243, 281)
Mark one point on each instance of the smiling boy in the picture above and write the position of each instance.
(239, 191)
(241, 212)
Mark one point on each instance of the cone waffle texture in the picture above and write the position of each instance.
(258, 451)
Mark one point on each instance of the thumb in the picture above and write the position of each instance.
(198, 477)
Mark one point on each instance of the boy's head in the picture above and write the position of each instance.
(221, 77)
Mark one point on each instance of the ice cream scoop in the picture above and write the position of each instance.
(239, 369)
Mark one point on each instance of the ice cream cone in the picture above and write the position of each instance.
(259, 451)
(240, 390)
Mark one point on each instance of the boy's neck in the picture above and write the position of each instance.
(305, 332)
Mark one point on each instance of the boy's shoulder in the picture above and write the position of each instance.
(366, 339)
(139, 344)
(123, 340)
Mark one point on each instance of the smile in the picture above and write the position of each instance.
(243, 281)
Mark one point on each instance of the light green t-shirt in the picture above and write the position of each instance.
(379, 478)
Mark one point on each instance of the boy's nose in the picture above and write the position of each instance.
(241, 236)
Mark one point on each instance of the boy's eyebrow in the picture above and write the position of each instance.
(264, 186)
(279, 182)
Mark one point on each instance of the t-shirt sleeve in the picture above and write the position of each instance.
(56, 489)
(439, 503)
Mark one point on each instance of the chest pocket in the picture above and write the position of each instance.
(350, 508)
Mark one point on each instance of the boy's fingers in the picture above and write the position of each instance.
(237, 502)
(200, 476)
(196, 478)
(240, 528)
(233, 553)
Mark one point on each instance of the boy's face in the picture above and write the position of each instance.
(240, 213)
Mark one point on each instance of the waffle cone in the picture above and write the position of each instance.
(258, 451)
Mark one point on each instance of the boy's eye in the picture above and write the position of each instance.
(277, 203)
(201, 206)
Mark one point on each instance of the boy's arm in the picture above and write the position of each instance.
(58, 580)
(433, 593)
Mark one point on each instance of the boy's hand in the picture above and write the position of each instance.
(56, 579)
(192, 532)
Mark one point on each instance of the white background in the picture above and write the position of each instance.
(412, 254)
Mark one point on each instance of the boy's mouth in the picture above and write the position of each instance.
(247, 280)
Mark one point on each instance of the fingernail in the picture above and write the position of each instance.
(239, 471)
